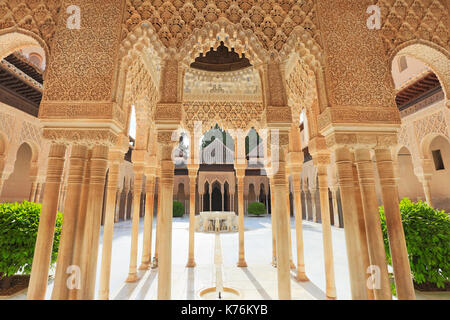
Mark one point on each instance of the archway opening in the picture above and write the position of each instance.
(439, 150)
(216, 198)
(410, 186)
(18, 186)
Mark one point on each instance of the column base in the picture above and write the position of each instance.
(103, 295)
(144, 266)
(132, 277)
(331, 298)
(155, 263)
(293, 266)
(191, 264)
(274, 262)
(301, 277)
(242, 264)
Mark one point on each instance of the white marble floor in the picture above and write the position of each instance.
(258, 281)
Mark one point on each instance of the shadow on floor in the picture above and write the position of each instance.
(190, 289)
(128, 288)
(147, 284)
(310, 287)
(257, 285)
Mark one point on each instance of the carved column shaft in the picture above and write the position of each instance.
(71, 209)
(326, 231)
(44, 241)
(240, 173)
(397, 243)
(274, 221)
(138, 179)
(288, 213)
(282, 225)
(352, 233)
(75, 293)
(89, 256)
(335, 207)
(148, 223)
(108, 229)
(361, 226)
(296, 181)
(374, 234)
(158, 224)
(192, 184)
(165, 230)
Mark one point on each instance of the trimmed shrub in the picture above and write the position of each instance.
(19, 224)
(178, 209)
(427, 234)
(257, 208)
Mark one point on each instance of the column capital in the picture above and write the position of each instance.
(193, 170)
(295, 160)
(81, 136)
(362, 139)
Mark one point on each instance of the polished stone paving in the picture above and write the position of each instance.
(258, 281)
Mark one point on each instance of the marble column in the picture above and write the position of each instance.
(374, 234)
(313, 203)
(43, 249)
(75, 292)
(296, 183)
(148, 220)
(89, 256)
(158, 224)
(426, 184)
(288, 214)
(326, 228)
(138, 179)
(117, 205)
(335, 206)
(126, 189)
(282, 225)
(72, 206)
(361, 226)
(2, 173)
(108, 227)
(165, 221)
(223, 197)
(193, 169)
(353, 237)
(32, 191)
(274, 227)
(397, 243)
(240, 175)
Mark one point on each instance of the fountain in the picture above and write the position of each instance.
(219, 292)
(216, 221)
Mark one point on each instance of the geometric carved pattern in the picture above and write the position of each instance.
(403, 138)
(301, 89)
(37, 16)
(432, 124)
(272, 21)
(30, 132)
(6, 124)
(404, 20)
(228, 115)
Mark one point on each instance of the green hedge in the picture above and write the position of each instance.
(427, 234)
(257, 208)
(19, 224)
(178, 209)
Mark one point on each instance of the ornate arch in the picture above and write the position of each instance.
(15, 38)
(433, 55)
(426, 143)
(4, 145)
(405, 20)
(271, 21)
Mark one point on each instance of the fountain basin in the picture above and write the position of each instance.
(226, 294)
